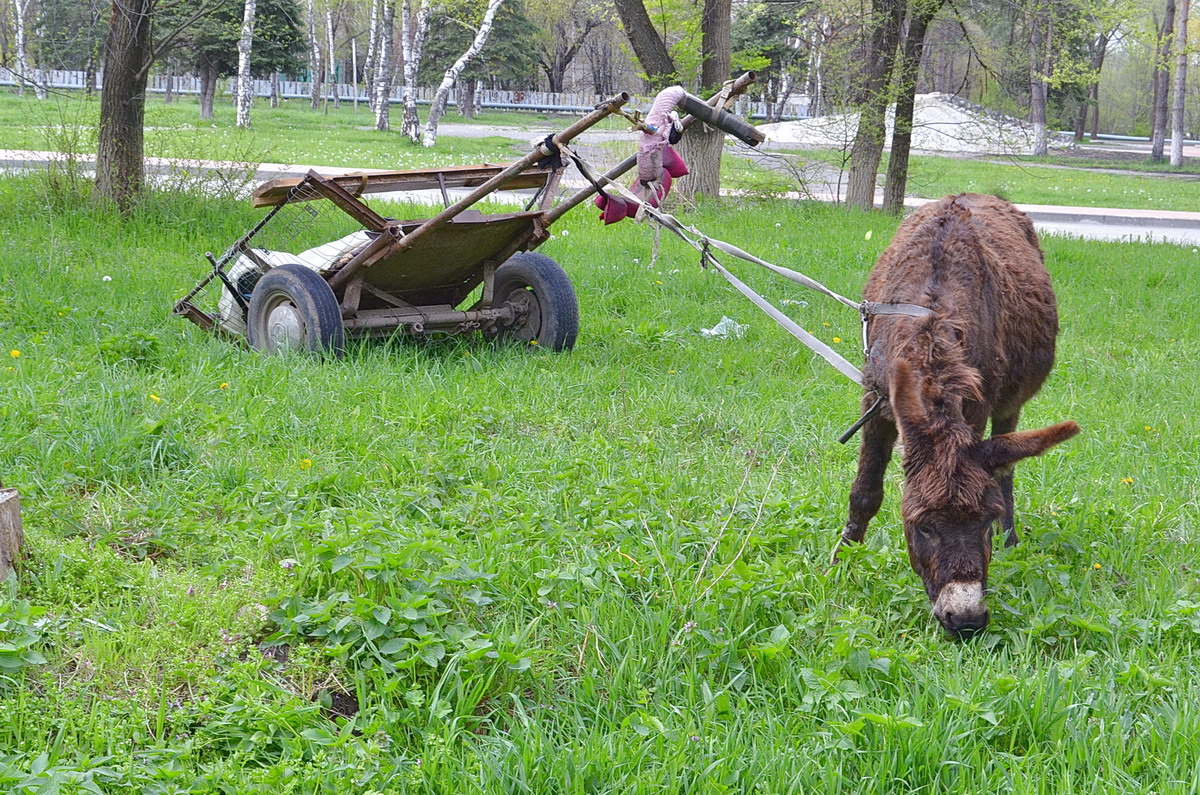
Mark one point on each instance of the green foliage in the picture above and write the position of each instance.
(443, 567)
(20, 636)
(279, 38)
(507, 59)
(137, 347)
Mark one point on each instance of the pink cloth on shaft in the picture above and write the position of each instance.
(650, 148)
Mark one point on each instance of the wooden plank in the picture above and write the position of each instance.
(12, 536)
(276, 191)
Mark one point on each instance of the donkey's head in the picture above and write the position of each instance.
(952, 496)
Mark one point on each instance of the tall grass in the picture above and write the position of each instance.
(443, 567)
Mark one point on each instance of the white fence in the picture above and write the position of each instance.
(795, 108)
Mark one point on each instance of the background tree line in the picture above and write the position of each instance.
(1086, 66)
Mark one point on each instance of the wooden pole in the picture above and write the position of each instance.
(12, 537)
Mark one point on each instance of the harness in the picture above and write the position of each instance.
(705, 245)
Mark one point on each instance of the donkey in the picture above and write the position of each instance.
(983, 350)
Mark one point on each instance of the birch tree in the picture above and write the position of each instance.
(245, 78)
(413, 32)
(20, 9)
(1161, 83)
(372, 49)
(1181, 45)
(332, 60)
(314, 56)
(382, 80)
(438, 106)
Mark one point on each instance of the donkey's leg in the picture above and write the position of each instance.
(1002, 425)
(866, 495)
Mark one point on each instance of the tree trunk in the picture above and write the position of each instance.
(372, 50)
(867, 149)
(920, 15)
(1037, 86)
(119, 174)
(333, 78)
(20, 7)
(647, 45)
(383, 68)
(1158, 125)
(245, 95)
(438, 106)
(275, 89)
(413, 35)
(208, 87)
(314, 56)
(701, 146)
(1181, 64)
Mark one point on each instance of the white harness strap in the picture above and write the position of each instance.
(703, 243)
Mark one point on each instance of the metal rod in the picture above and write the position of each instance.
(604, 109)
(738, 87)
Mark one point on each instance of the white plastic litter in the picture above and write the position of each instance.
(727, 328)
(319, 258)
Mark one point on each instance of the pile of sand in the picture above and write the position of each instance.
(940, 124)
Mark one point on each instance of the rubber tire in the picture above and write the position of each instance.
(555, 323)
(313, 301)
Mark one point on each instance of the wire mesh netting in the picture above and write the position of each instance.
(306, 229)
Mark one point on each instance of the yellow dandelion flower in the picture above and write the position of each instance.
(1147, 427)
(224, 385)
(306, 463)
(533, 342)
(1127, 481)
(826, 325)
(155, 398)
(16, 354)
(1097, 566)
(837, 339)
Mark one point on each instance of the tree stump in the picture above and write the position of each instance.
(12, 537)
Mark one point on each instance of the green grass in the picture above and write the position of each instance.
(293, 133)
(603, 571)
(1024, 182)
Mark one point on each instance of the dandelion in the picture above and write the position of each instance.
(16, 354)
(155, 398)
(1127, 481)
(306, 463)
(106, 279)
(826, 325)
(837, 339)
(1097, 566)
(1148, 427)
(777, 224)
(533, 342)
(565, 232)
(224, 385)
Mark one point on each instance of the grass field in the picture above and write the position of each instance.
(445, 568)
(291, 134)
(1026, 181)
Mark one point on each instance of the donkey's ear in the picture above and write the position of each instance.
(908, 406)
(1007, 449)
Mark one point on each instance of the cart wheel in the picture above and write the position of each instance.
(293, 307)
(538, 287)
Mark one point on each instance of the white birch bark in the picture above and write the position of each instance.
(1181, 41)
(20, 7)
(314, 55)
(333, 81)
(245, 93)
(438, 106)
(372, 50)
(383, 70)
(413, 35)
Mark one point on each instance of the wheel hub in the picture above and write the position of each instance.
(284, 326)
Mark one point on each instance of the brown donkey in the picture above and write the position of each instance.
(986, 349)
